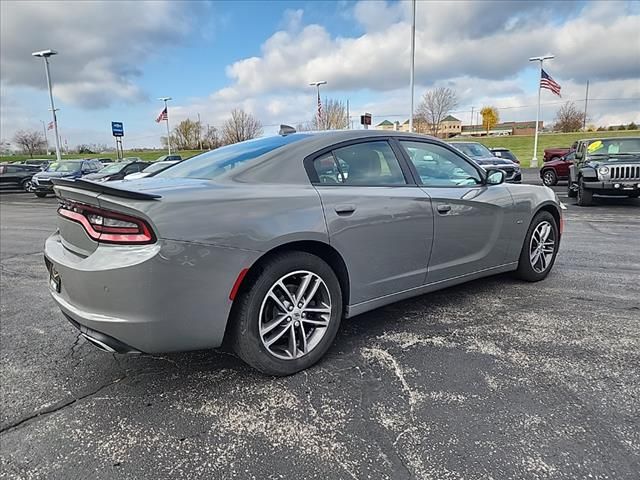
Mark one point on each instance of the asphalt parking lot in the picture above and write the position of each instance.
(492, 379)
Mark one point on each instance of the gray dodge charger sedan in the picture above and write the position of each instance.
(267, 244)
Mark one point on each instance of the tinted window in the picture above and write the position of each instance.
(440, 167)
(371, 163)
(215, 163)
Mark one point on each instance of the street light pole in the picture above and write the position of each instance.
(46, 54)
(319, 114)
(166, 109)
(413, 58)
(534, 160)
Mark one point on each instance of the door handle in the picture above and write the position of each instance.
(444, 209)
(345, 209)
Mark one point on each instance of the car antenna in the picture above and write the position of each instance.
(286, 130)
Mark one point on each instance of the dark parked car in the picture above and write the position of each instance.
(556, 153)
(502, 152)
(42, 163)
(15, 175)
(116, 171)
(605, 166)
(483, 157)
(556, 170)
(273, 241)
(65, 169)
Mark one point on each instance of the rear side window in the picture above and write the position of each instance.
(362, 164)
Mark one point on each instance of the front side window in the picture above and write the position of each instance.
(65, 167)
(440, 167)
(363, 164)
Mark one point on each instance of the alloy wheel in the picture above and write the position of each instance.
(542, 247)
(548, 178)
(295, 315)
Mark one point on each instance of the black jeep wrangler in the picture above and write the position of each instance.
(605, 166)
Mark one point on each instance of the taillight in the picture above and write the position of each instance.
(106, 226)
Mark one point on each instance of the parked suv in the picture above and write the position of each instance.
(117, 171)
(555, 153)
(605, 166)
(556, 170)
(483, 157)
(70, 169)
(15, 175)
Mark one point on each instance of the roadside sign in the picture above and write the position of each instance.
(365, 119)
(117, 128)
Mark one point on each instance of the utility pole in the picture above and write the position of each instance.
(586, 101)
(348, 122)
(534, 160)
(199, 131)
(413, 58)
(472, 107)
(46, 54)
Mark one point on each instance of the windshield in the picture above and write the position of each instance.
(614, 146)
(64, 167)
(113, 168)
(217, 162)
(473, 149)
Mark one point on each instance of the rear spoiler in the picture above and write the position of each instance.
(102, 188)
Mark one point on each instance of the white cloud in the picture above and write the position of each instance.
(101, 44)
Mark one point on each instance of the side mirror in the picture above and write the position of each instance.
(495, 176)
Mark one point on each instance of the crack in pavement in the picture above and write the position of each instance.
(57, 406)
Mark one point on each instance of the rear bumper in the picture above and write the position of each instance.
(621, 188)
(169, 296)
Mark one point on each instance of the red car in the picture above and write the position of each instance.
(556, 170)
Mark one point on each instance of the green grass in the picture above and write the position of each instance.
(147, 155)
(522, 145)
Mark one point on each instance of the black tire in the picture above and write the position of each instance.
(525, 269)
(40, 194)
(245, 337)
(549, 177)
(584, 197)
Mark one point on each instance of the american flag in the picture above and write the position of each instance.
(549, 83)
(163, 115)
(51, 125)
(319, 111)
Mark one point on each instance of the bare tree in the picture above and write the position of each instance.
(334, 116)
(436, 104)
(240, 127)
(186, 135)
(210, 138)
(30, 141)
(569, 118)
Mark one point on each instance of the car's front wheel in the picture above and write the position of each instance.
(27, 185)
(539, 249)
(288, 316)
(584, 196)
(549, 178)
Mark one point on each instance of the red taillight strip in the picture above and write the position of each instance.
(126, 235)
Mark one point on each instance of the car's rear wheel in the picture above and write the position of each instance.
(584, 196)
(289, 315)
(549, 178)
(539, 249)
(41, 194)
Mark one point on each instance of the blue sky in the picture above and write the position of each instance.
(260, 56)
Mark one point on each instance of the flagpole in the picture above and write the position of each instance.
(166, 109)
(46, 139)
(413, 56)
(318, 114)
(534, 159)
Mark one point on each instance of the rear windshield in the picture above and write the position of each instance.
(473, 149)
(217, 162)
